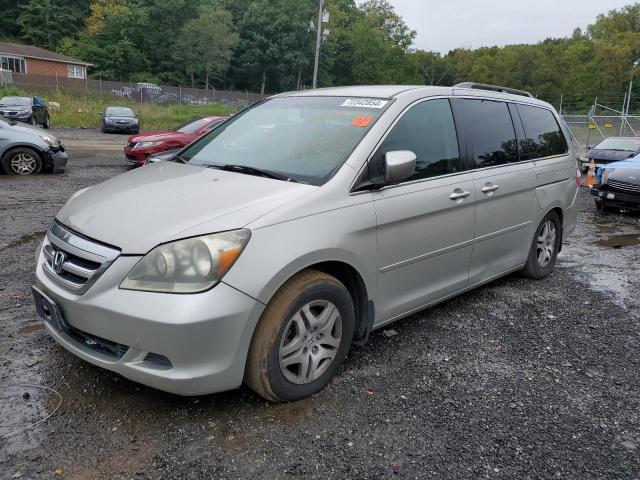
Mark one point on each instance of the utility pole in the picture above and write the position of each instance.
(318, 40)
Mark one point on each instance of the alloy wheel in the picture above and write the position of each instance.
(546, 245)
(23, 164)
(310, 342)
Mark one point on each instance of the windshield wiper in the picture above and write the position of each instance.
(230, 167)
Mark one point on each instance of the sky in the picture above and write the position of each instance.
(443, 25)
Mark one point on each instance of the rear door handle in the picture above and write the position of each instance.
(459, 194)
(489, 187)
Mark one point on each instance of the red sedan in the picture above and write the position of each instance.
(139, 147)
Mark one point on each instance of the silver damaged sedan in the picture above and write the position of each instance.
(263, 251)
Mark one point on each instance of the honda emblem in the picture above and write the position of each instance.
(58, 259)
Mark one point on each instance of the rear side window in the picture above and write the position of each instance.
(544, 137)
(489, 128)
(428, 130)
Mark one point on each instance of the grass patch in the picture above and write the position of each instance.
(84, 111)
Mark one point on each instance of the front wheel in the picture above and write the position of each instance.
(47, 121)
(21, 161)
(302, 338)
(544, 248)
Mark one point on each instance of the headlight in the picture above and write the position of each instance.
(187, 266)
(52, 142)
(147, 144)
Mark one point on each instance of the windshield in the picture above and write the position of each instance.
(16, 101)
(303, 138)
(119, 112)
(630, 144)
(192, 125)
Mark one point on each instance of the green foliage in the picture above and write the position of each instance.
(46, 22)
(206, 43)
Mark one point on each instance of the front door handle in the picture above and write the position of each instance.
(489, 187)
(459, 194)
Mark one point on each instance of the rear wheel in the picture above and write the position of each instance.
(544, 248)
(47, 121)
(301, 339)
(21, 161)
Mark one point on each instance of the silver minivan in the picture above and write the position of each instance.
(266, 249)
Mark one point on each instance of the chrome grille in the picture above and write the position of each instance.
(624, 186)
(73, 261)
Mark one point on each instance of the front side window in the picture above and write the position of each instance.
(305, 139)
(488, 125)
(544, 137)
(428, 130)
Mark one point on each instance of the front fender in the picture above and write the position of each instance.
(276, 253)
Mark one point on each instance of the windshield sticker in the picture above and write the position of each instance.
(362, 121)
(364, 103)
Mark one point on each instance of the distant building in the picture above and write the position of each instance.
(29, 60)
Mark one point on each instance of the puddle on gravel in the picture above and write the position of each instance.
(27, 238)
(619, 241)
(22, 408)
(30, 328)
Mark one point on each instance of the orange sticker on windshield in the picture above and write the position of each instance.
(362, 121)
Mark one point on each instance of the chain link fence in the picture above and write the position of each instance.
(137, 92)
(589, 130)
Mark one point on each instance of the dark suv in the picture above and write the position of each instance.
(31, 110)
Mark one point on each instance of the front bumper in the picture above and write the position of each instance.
(56, 160)
(139, 155)
(615, 198)
(205, 336)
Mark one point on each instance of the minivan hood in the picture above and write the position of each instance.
(167, 201)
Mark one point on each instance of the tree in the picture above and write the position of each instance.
(206, 43)
(273, 37)
(114, 40)
(45, 22)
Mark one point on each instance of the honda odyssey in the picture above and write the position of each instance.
(267, 248)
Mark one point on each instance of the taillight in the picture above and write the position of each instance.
(578, 177)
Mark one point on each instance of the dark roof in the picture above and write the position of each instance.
(30, 51)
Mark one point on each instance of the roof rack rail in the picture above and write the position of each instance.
(493, 88)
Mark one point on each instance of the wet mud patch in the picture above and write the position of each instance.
(619, 241)
(24, 239)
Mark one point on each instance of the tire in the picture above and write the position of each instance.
(21, 161)
(540, 266)
(283, 335)
(602, 207)
(47, 122)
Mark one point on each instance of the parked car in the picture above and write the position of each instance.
(619, 186)
(28, 150)
(611, 149)
(139, 147)
(162, 156)
(119, 119)
(31, 110)
(269, 246)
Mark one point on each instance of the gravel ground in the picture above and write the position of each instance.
(518, 379)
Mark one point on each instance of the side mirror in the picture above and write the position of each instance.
(399, 165)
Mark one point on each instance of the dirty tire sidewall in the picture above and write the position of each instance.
(5, 162)
(263, 374)
(532, 268)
